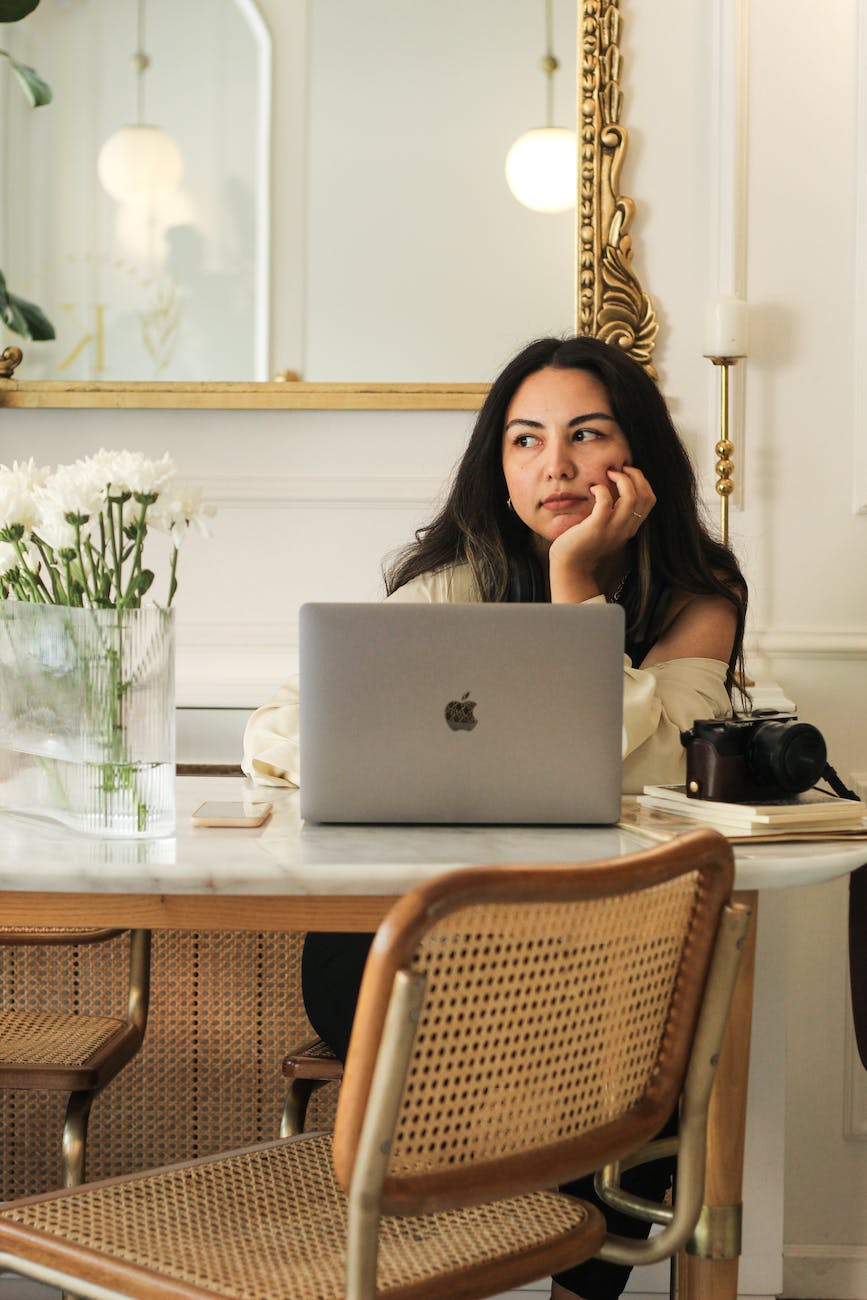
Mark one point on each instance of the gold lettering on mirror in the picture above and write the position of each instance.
(611, 302)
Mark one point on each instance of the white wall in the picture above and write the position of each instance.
(309, 502)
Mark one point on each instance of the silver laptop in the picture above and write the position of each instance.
(487, 713)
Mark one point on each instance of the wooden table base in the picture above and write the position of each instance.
(714, 1275)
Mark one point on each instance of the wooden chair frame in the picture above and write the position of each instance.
(382, 1180)
(84, 1082)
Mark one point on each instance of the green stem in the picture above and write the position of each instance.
(173, 581)
(32, 580)
(50, 562)
(68, 575)
(94, 572)
(80, 554)
(113, 531)
(140, 532)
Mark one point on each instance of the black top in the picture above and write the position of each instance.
(527, 584)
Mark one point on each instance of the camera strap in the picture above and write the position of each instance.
(858, 957)
(857, 932)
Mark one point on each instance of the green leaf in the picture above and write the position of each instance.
(13, 10)
(23, 317)
(36, 90)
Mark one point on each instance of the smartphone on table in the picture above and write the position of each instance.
(232, 813)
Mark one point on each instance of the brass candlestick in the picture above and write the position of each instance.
(724, 448)
(724, 470)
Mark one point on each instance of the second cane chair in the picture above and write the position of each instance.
(517, 1027)
(308, 1067)
(72, 1051)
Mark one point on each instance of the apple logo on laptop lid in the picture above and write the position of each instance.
(459, 713)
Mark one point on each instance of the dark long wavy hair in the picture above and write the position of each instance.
(673, 547)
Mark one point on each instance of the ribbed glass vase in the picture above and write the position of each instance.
(87, 716)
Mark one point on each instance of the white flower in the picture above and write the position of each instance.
(8, 558)
(70, 490)
(54, 528)
(18, 487)
(101, 509)
(180, 508)
(130, 471)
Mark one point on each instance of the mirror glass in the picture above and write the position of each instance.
(162, 284)
(343, 213)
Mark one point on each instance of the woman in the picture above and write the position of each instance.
(574, 487)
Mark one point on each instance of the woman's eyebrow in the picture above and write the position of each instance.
(577, 419)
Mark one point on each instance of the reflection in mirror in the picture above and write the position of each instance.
(398, 254)
(421, 264)
(171, 285)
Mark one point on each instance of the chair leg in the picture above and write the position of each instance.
(74, 1147)
(75, 1137)
(298, 1096)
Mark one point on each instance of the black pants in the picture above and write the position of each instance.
(331, 970)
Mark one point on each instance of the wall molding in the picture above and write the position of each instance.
(275, 492)
(223, 667)
(808, 642)
(226, 665)
(859, 324)
(824, 1270)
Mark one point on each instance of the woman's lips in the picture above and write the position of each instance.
(562, 501)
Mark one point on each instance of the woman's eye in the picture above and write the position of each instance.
(587, 435)
(526, 440)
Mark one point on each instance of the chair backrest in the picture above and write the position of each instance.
(558, 1008)
(33, 936)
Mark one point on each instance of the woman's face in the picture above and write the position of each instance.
(560, 439)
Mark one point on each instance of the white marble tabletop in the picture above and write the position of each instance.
(287, 856)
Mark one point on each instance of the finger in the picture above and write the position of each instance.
(639, 481)
(603, 497)
(635, 491)
(626, 489)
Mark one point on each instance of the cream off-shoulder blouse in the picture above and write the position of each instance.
(659, 703)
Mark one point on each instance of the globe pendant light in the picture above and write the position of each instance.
(139, 163)
(542, 164)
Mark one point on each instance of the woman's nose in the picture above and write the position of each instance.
(560, 462)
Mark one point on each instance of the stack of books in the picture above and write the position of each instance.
(666, 810)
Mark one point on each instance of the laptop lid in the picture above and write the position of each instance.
(471, 713)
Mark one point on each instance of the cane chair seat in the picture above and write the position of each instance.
(64, 1047)
(265, 1222)
(517, 1027)
(67, 1051)
(313, 1060)
(308, 1068)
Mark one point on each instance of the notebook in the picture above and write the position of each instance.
(483, 714)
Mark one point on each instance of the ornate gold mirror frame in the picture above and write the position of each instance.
(610, 303)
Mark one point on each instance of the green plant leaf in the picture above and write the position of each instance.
(23, 317)
(143, 582)
(13, 10)
(36, 90)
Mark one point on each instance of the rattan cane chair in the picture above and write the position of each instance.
(308, 1068)
(72, 1051)
(517, 1027)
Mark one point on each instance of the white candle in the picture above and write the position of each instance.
(726, 328)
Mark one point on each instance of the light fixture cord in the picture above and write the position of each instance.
(549, 64)
(140, 62)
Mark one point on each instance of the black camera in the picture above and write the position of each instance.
(754, 759)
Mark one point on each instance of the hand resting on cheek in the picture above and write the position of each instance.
(619, 511)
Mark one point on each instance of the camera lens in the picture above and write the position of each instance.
(790, 755)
